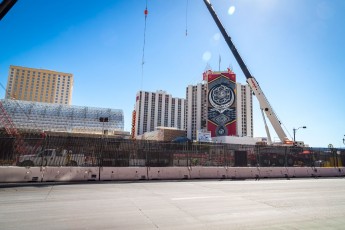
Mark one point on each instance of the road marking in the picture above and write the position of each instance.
(195, 197)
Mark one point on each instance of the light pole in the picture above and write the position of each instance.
(344, 140)
(295, 130)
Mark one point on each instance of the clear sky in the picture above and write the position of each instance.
(294, 48)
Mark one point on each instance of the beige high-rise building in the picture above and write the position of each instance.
(39, 85)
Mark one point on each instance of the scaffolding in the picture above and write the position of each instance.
(39, 116)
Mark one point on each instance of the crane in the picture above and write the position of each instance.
(254, 85)
(5, 6)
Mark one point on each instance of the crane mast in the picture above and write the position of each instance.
(254, 85)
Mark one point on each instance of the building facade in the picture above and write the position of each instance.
(221, 96)
(244, 114)
(61, 118)
(154, 109)
(198, 108)
(39, 85)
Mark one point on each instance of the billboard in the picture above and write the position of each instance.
(221, 96)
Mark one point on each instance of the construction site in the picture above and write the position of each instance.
(52, 142)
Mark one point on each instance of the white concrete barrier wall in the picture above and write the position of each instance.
(273, 172)
(20, 174)
(207, 172)
(329, 172)
(166, 173)
(123, 173)
(342, 171)
(243, 173)
(304, 172)
(46, 174)
(70, 173)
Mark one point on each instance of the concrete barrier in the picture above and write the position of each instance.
(69, 174)
(46, 174)
(341, 171)
(208, 172)
(20, 174)
(168, 173)
(304, 172)
(123, 173)
(243, 173)
(273, 172)
(329, 172)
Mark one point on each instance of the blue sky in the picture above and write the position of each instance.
(294, 48)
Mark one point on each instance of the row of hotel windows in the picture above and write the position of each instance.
(34, 72)
(16, 79)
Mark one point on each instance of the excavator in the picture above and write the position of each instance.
(254, 85)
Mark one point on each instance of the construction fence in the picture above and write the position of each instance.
(36, 150)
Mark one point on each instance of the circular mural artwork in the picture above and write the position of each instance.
(221, 97)
(221, 131)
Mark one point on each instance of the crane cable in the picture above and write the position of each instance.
(143, 57)
(187, 18)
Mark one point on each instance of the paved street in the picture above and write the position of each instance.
(198, 204)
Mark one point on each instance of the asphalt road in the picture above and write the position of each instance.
(198, 204)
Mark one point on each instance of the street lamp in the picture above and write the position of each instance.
(295, 130)
(344, 140)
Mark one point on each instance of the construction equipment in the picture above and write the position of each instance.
(5, 6)
(254, 85)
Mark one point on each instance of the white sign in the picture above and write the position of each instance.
(203, 136)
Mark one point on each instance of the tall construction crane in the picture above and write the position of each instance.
(254, 85)
(5, 6)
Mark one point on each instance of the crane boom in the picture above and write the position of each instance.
(5, 6)
(263, 102)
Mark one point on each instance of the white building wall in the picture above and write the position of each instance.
(169, 110)
(156, 110)
(154, 106)
(149, 112)
(189, 99)
(195, 99)
(183, 112)
(244, 110)
(239, 122)
(163, 110)
(198, 108)
(249, 107)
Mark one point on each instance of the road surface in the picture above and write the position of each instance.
(190, 204)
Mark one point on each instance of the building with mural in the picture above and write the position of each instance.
(221, 96)
(219, 105)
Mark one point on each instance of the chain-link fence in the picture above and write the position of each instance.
(112, 152)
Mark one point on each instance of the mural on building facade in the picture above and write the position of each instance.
(221, 98)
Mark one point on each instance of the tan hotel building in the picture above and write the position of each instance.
(39, 85)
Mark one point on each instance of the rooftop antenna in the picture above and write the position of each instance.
(208, 67)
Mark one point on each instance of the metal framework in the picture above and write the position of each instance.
(62, 118)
